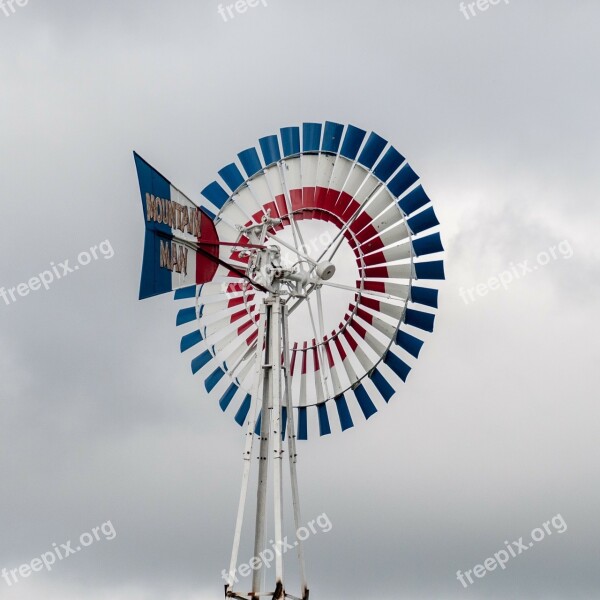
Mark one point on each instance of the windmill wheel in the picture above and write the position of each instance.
(348, 204)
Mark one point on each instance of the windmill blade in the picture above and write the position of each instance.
(420, 319)
(390, 254)
(189, 340)
(317, 373)
(382, 384)
(302, 398)
(337, 386)
(211, 382)
(186, 315)
(274, 180)
(389, 272)
(369, 320)
(371, 341)
(228, 396)
(208, 312)
(367, 405)
(343, 412)
(348, 368)
(384, 231)
(215, 323)
(243, 372)
(382, 211)
(397, 365)
(324, 426)
(226, 231)
(399, 291)
(365, 361)
(327, 159)
(394, 311)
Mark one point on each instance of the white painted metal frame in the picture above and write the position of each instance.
(272, 393)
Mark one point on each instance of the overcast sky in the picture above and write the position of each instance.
(496, 430)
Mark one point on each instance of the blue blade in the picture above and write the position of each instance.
(189, 340)
(364, 401)
(414, 200)
(258, 424)
(382, 384)
(283, 421)
(226, 398)
(430, 270)
(352, 141)
(186, 315)
(391, 160)
(420, 319)
(425, 296)
(185, 293)
(343, 413)
(250, 161)
(397, 365)
(424, 220)
(215, 194)
(373, 148)
(324, 427)
(213, 379)
(402, 181)
(231, 176)
(201, 360)
(408, 342)
(290, 140)
(311, 137)
(270, 149)
(430, 244)
(302, 423)
(209, 213)
(243, 410)
(332, 137)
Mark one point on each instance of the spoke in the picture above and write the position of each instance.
(299, 301)
(292, 248)
(312, 320)
(324, 364)
(320, 313)
(337, 247)
(319, 342)
(359, 290)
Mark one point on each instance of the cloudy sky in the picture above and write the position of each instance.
(496, 431)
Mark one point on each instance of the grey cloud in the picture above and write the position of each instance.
(101, 417)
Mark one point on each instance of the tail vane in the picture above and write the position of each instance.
(180, 237)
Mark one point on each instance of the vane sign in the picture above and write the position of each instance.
(181, 242)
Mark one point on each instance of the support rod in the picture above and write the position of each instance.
(291, 435)
(276, 426)
(272, 392)
(250, 427)
(263, 464)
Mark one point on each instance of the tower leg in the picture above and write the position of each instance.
(250, 427)
(272, 392)
(277, 428)
(292, 452)
(263, 464)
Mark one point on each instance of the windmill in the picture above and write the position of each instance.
(245, 263)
